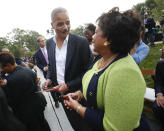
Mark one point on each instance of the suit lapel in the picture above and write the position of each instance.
(41, 55)
(51, 52)
(70, 51)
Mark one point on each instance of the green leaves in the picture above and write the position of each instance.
(20, 42)
(78, 31)
(155, 9)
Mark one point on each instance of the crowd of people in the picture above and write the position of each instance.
(97, 78)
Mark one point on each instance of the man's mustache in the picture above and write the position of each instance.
(65, 31)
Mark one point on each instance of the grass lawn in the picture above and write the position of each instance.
(150, 62)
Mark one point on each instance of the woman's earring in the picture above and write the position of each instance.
(105, 44)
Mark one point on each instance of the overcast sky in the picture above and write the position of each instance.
(35, 14)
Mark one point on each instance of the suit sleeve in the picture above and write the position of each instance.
(95, 118)
(159, 78)
(86, 58)
(49, 72)
(49, 65)
(38, 63)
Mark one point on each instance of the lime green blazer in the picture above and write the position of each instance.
(120, 94)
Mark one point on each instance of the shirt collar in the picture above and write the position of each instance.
(65, 41)
(43, 47)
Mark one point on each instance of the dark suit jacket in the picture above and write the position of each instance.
(40, 61)
(8, 122)
(159, 78)
(150, 23)
(78, 58)
(21, 88)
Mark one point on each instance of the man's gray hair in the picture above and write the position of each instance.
(57, 10)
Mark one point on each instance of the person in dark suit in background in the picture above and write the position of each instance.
(69, 57)
(158, 107)
(21, 88)
(41, 56)
(162, 26)
(8, 122)
(89, 31)
(149, 25)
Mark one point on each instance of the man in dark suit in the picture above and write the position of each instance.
(149, 25)
(41, 56)
(69, 57)
(8, 122)
(21, 88)
(158, 107)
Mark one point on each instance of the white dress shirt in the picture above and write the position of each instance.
(61, 60)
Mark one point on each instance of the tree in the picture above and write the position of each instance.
(22, 42)
(158, 11)
(3, 42)
(153, 7)
(78, 31)
(140, 9)
(150, 4)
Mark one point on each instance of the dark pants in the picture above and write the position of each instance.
(55, 95)
(45, 74)
(149, 37)
(37, 122)
(159, 113)
(144, 126)
(76, 121)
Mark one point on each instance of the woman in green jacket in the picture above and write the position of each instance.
(113, 86)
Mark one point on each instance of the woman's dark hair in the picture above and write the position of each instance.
(122, 30)
(91, 27)
(6, 58)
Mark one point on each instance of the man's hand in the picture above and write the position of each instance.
(62, 88)
(160, 100)
(45, 68)
(47, 83)
(3, 82)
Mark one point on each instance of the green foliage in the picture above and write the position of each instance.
(158, 12)
(150, 62)
(3, 42)
(155, 8)
(150, 4)
(20, 42)
(78, 31)
(140, 9)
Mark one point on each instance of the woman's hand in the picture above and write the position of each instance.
(74, 105)
(76, 95)
(71, 103)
